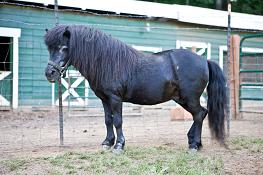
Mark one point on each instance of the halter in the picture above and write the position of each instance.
(61, 69)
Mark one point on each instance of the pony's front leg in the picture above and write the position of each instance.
(116, 107)
(110, 138)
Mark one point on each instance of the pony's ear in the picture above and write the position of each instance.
(46, 30)
(66, 34)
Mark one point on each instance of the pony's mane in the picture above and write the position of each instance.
(95, 54)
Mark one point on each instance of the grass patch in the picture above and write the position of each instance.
(150, 160)
(55, 172)
(154, 160)
(135, 160)
(14, 164)
(251, 144)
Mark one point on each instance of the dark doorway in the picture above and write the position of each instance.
(5, 52)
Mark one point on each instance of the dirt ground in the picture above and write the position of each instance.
(37, 133)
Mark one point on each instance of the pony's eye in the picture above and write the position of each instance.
(64, 48)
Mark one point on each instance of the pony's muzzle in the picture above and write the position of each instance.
(51, 74)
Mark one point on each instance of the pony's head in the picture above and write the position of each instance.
(57, 41)
(95, 54)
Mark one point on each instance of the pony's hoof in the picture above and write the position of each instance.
(195, 147)
(192, 150)
(117, 151)
(105, 147)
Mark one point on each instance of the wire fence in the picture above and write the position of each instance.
(35, 123)
(251, 77)
(33, 89)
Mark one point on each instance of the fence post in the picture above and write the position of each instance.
(234, 75)
(61, 118)
(228, 67)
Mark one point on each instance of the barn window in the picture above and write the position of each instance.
(5, 52)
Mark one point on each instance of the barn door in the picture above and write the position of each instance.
(5, 72)
(9, 61)
(75, 90)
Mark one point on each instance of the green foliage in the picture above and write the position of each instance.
(242, 6)
(248, 6)
(200, 3)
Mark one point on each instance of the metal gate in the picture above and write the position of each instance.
(251, 76)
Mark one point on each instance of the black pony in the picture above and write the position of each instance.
(118, 73)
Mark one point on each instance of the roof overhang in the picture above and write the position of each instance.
(182, 13)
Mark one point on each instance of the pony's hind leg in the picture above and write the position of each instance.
(110, 137)
(195, 132)
(198, 113)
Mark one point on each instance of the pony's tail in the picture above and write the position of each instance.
(217, 102)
